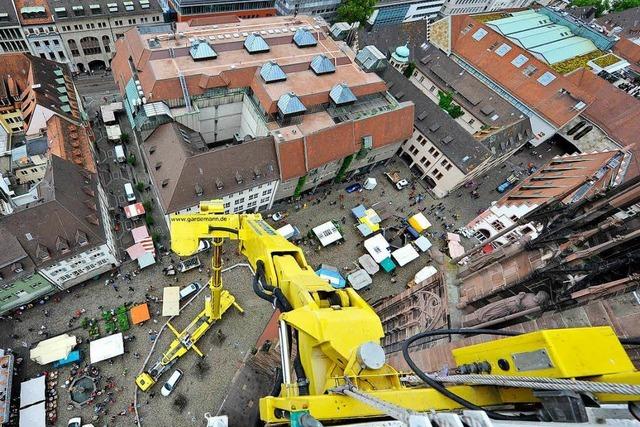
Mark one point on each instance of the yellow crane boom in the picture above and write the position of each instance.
(338, 334)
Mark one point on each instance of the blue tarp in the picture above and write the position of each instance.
(336, 280)
(73, 357)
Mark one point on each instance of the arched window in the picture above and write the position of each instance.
(90, 45)
(73, 47)
(106, 41)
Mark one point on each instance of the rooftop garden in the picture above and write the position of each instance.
(565, 67)
(606, 60)
(484, 18)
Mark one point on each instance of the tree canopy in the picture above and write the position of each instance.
(600, 5)
(358, 11)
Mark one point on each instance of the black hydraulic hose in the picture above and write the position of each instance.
(442, 389)
(630, 341)
(282, 304)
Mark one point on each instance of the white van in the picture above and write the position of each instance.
(128, 191)
(120, 157)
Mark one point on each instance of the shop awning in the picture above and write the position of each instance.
(134, 210)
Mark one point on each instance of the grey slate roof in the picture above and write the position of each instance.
(341, 94)
(289, 104)
(272, 72)
(254, 43)
(436, 125)
(185, 167)
(466, 151)
(628, 20)
(6, 6)
(304, 38)
(320, 64)
(67, 214)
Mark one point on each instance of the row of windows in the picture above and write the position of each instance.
(10, 34)
(104, 24)
(39, 30)
(226, 7)
(90, 45)
(13, 46)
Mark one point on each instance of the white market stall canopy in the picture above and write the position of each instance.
(370, 183)
(106, 348)
(378, 247)
(405, 255)
(113, 132)
(108, 112)
(53, 349)
(32, 391)
(327, 233)
(33, 416)
(171, 301)
(287, 231)
(424, 274)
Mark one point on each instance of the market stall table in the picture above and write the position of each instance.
(171, 301)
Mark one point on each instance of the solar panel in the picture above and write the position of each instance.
(256, 44)
(322, 65)
(546, 78)
(304, 38)
(271, 72)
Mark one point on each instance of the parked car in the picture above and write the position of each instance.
(402, 184)
(277, 216)
(508, 183)
(75, 422)
(354, 187)
(189, 264)
(171, 383)
(189, 290)
(128, 192)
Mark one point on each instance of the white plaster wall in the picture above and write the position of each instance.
(250, 122)
(39, 119)
(78, 268)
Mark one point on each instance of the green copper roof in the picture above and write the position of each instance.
(536, 33)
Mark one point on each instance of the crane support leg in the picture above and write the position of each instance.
(215, 282)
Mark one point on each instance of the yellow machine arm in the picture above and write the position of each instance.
(338, 335)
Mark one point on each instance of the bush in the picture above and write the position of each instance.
(125, 138)
(148, 206)
(140, 186)
(408, 71)
(148, 219)
(132, 160)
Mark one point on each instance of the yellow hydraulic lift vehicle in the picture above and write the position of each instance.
(340, 374)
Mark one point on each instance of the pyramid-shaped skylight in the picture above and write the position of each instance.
(254, 43)
(202, 50)
(271, 72)
(341, 94)
(304, 38)
(322, 65)
(289, 104)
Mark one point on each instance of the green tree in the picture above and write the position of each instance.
(140, 186)
(149, 219)
(600, 5)
(621, 5)
(455, 111)
(408, 71)
(358, 11)
(148, 205)
(132, 160)
(124, 138)
(444, 100)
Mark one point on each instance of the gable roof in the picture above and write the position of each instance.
(185, 174)
(66, 215)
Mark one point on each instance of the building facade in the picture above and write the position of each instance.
(67, 249)
(268, 78)
(89, 28)
(222, 10)
(40, 30)
(395, 12)
(464, 7)
(325, 8)
(11, 35)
